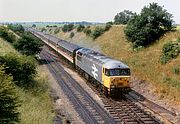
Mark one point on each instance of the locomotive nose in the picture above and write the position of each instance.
(119, 82)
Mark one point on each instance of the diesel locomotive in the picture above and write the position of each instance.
(112, 76)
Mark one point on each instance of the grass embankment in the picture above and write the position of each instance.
(36, 104)
(145, 63)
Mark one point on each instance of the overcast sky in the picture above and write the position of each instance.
(76, 10)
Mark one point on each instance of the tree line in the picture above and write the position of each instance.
(16, 70)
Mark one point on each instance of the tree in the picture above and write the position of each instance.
(8, 99)
(33, 25)
(67, 28)
(149, 25)
(22, 68)
(16, 28)
(28, 44)
(71, 35)
(123, 17)
(107, 27)
(87, 31)
(80, 28)
(97, 32)
(5, 34)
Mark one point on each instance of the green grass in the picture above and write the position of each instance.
(37, 105)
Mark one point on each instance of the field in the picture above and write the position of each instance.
(37, 105)
(178, 27)
(144, 63)
(41, 24)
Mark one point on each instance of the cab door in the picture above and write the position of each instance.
(105, 78)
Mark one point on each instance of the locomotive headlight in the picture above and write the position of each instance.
(112, 86)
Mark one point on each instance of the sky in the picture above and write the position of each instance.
(76, 10)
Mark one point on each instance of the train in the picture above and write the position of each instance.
(110, 76)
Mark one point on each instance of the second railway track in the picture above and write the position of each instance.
(89, 110)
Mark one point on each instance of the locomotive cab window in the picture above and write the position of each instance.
(117, 72)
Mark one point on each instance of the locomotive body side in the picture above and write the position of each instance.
(88, 64)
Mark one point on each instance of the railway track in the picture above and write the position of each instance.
(90, 111)
(129, 112)
(121, 111)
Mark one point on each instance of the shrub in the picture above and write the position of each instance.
(149, 25)
(97, 32)
(56, 30)
(109, 23)
(67, 28)
(16, 28)
(107, 27)
(28, 44)
(22, 68)
(71, 35)
(33, 25)
(6, 35)
(80, 28)
(87, 31)
(8, 100)
(43, 29)
(176, 70)
(170, 51)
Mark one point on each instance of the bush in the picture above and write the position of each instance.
(8, 100)
(71, 35)
(109, 23)
(67, 28)
(80, 28)
(43, 29)
(6, 35)
(176, 70)
(22, 68)
(107, 27)
(56, 30)
(87, 31)
(170, 51)
(149, 25)
(97, 32)
(16, 28)
(28, 44)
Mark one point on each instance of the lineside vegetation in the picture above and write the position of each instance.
(25, 87)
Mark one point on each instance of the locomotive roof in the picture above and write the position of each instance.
(108, 62)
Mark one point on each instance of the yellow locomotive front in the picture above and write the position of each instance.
(115, 77)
